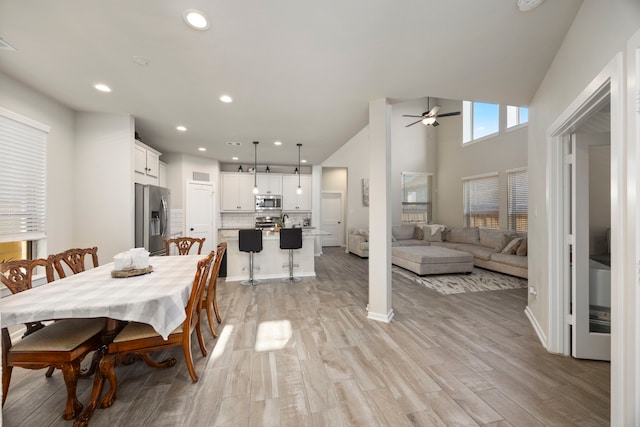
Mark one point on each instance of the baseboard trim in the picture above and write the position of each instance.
(379, 317)
(536, 327)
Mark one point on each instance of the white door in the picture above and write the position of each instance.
(588, 339)
(331, 219)
(200, 213)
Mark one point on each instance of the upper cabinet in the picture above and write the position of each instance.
(146, 164)
(270, 183)
(237, 192)
(291, 200)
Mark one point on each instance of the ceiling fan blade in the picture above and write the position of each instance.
(407, 115)
(434, 111)
(456, 113)
(417, 121)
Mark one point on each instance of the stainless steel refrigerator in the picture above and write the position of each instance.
(152, 217)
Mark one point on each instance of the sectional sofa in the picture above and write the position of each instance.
(504, 251)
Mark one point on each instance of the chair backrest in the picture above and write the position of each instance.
(213, 277)
(18, 274)
(184, 245)
(290, 238)
(250, 240)
(195, 298)
(74, 261)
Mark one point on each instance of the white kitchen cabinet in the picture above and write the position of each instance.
(291, 200)
(270, 183)
(237, 192)
(146, 164)
(162, 174)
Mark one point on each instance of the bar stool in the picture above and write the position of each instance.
(250, 240)
(290, 239)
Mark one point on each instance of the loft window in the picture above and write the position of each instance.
(517, 116)
(479, 120)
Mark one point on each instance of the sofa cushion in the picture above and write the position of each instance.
(495, 239)
(512, 247)
(361, 232)
(477, 251)
(433, 232)
(514, 260)
(463, 235)
(522, 248)
(410, 242)
(403, 231)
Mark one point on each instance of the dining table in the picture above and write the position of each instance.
(157, 298)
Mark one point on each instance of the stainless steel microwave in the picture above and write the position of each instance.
(268, 202)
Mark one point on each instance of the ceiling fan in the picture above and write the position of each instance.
(429, 117)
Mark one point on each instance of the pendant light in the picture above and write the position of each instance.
(299, 190)
(255, 165)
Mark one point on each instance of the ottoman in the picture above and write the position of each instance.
(424, 260)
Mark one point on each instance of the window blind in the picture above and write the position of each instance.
(416, 197)
(518, 205)
(482, 202)
(22, 178)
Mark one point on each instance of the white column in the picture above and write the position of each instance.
(380, 211)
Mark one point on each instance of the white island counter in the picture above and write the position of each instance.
(272, 262)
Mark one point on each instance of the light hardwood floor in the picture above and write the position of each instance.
(305, 355)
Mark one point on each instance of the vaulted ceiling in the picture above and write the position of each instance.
(298, 71)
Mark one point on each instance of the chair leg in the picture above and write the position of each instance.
(6, 379)
(210, 319)
(107, 370)
(215, 305)
(71, 373)
(203, 347)
(188, 358)
(50, 370)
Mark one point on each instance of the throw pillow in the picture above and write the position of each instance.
(512, 246)
(419, 232)
(522, 248)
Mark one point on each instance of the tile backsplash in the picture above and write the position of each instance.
(248, 220)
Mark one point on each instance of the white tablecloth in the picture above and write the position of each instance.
(157, 298)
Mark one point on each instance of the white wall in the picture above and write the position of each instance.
(23, 100)
(104, 204)
(599, 31)
(507, 150)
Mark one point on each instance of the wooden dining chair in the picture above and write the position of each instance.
(62, 345)
(209, 301)
(74, 261)
(17, 276)
(140, 339)
(184, 245)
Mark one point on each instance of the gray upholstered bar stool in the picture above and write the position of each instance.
(250, 240)
(290, 239)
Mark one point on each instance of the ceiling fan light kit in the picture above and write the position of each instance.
(430, 117)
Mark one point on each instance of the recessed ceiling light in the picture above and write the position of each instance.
(226, 99)
(195, 19)
(234, 158)
(527, 5)
(303, 161)
(102, 87)
(141, 60)
(202, 149)
(181, 128)
(277, 143)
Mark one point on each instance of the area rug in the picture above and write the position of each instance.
(479, 280)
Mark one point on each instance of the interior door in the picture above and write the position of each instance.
(200, 213)
(588, 341)
(331, 219)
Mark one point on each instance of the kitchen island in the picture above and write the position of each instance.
(272, 262)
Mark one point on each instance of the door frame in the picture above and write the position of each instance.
(609, 82)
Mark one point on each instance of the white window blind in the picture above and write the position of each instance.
(22, 178)
(482, 202)
(518, 205)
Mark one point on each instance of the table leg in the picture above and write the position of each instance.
(98, 381)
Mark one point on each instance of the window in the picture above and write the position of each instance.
(22, 193)
(416, 197)
(479, 120)
(482, 201)
(516, 116)
(517, 203)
